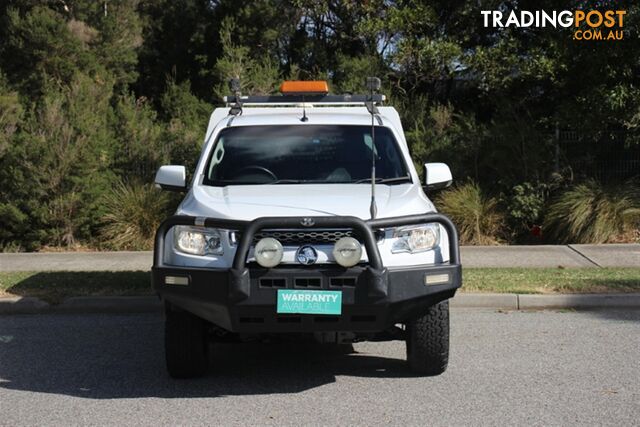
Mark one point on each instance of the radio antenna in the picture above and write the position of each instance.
(373, 84)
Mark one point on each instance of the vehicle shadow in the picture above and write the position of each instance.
(92, 357)
(55, 286)
(630, 314)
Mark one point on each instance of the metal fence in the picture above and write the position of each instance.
(609, 156)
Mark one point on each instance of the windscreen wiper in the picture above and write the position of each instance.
(385, 180)
(225, 182)
(285, 181)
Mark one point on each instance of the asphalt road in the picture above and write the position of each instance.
(507, 368)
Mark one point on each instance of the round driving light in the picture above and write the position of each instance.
(268, 252)
(347, 252)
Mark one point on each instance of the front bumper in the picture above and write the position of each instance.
(243, 298)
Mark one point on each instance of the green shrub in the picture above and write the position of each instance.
(134, 214)
(594, 213)
(477, 216)
(525, 205)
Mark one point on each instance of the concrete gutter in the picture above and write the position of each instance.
(108, 305)
(537, 301)
(526, 302)
(23, 305)
(30, 305)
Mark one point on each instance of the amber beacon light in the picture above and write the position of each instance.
(317, 87)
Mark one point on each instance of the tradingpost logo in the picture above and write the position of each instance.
(598, 25)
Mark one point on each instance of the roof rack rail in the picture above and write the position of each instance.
(307, 99)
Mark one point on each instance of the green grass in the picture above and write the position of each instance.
(54, 287)
(551, 280)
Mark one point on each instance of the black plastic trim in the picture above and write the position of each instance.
(285, 99)
(211, 296)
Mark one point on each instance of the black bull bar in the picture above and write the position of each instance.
(239, 286)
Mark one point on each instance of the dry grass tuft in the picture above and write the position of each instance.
(594, 213)
(477, 216)
(134, 214)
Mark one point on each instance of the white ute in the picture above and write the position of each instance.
(305, 215)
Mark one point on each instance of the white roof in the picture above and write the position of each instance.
(255, 116)
(291, 116)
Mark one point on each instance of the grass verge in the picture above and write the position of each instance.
(54, 287)
(551, 280)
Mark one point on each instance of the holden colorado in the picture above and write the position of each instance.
(306, 216)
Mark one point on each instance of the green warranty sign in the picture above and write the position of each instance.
(309, 302)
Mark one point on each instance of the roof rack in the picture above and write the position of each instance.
(306, 99)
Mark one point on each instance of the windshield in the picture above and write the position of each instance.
(304, 154)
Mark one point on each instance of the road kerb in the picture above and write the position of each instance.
(579, 301)
(113, 304)
(141, 304)
(479, 300)
(22, 305)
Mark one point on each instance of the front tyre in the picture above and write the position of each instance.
(185, 344)
(428, 341)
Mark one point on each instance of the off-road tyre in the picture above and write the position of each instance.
(428, 341)
(185, 344)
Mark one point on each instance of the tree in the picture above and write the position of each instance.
(94, 93)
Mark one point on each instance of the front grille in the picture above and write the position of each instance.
(301, 237)
(341, 282)
(304, 237)
(308, 282)
(298, 237)
(273, 283)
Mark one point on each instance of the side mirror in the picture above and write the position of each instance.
(437, 176)
(172, 178)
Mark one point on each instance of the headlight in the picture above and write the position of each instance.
(347, 251)
(197, 240)
(415, 239)
(268, 252)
